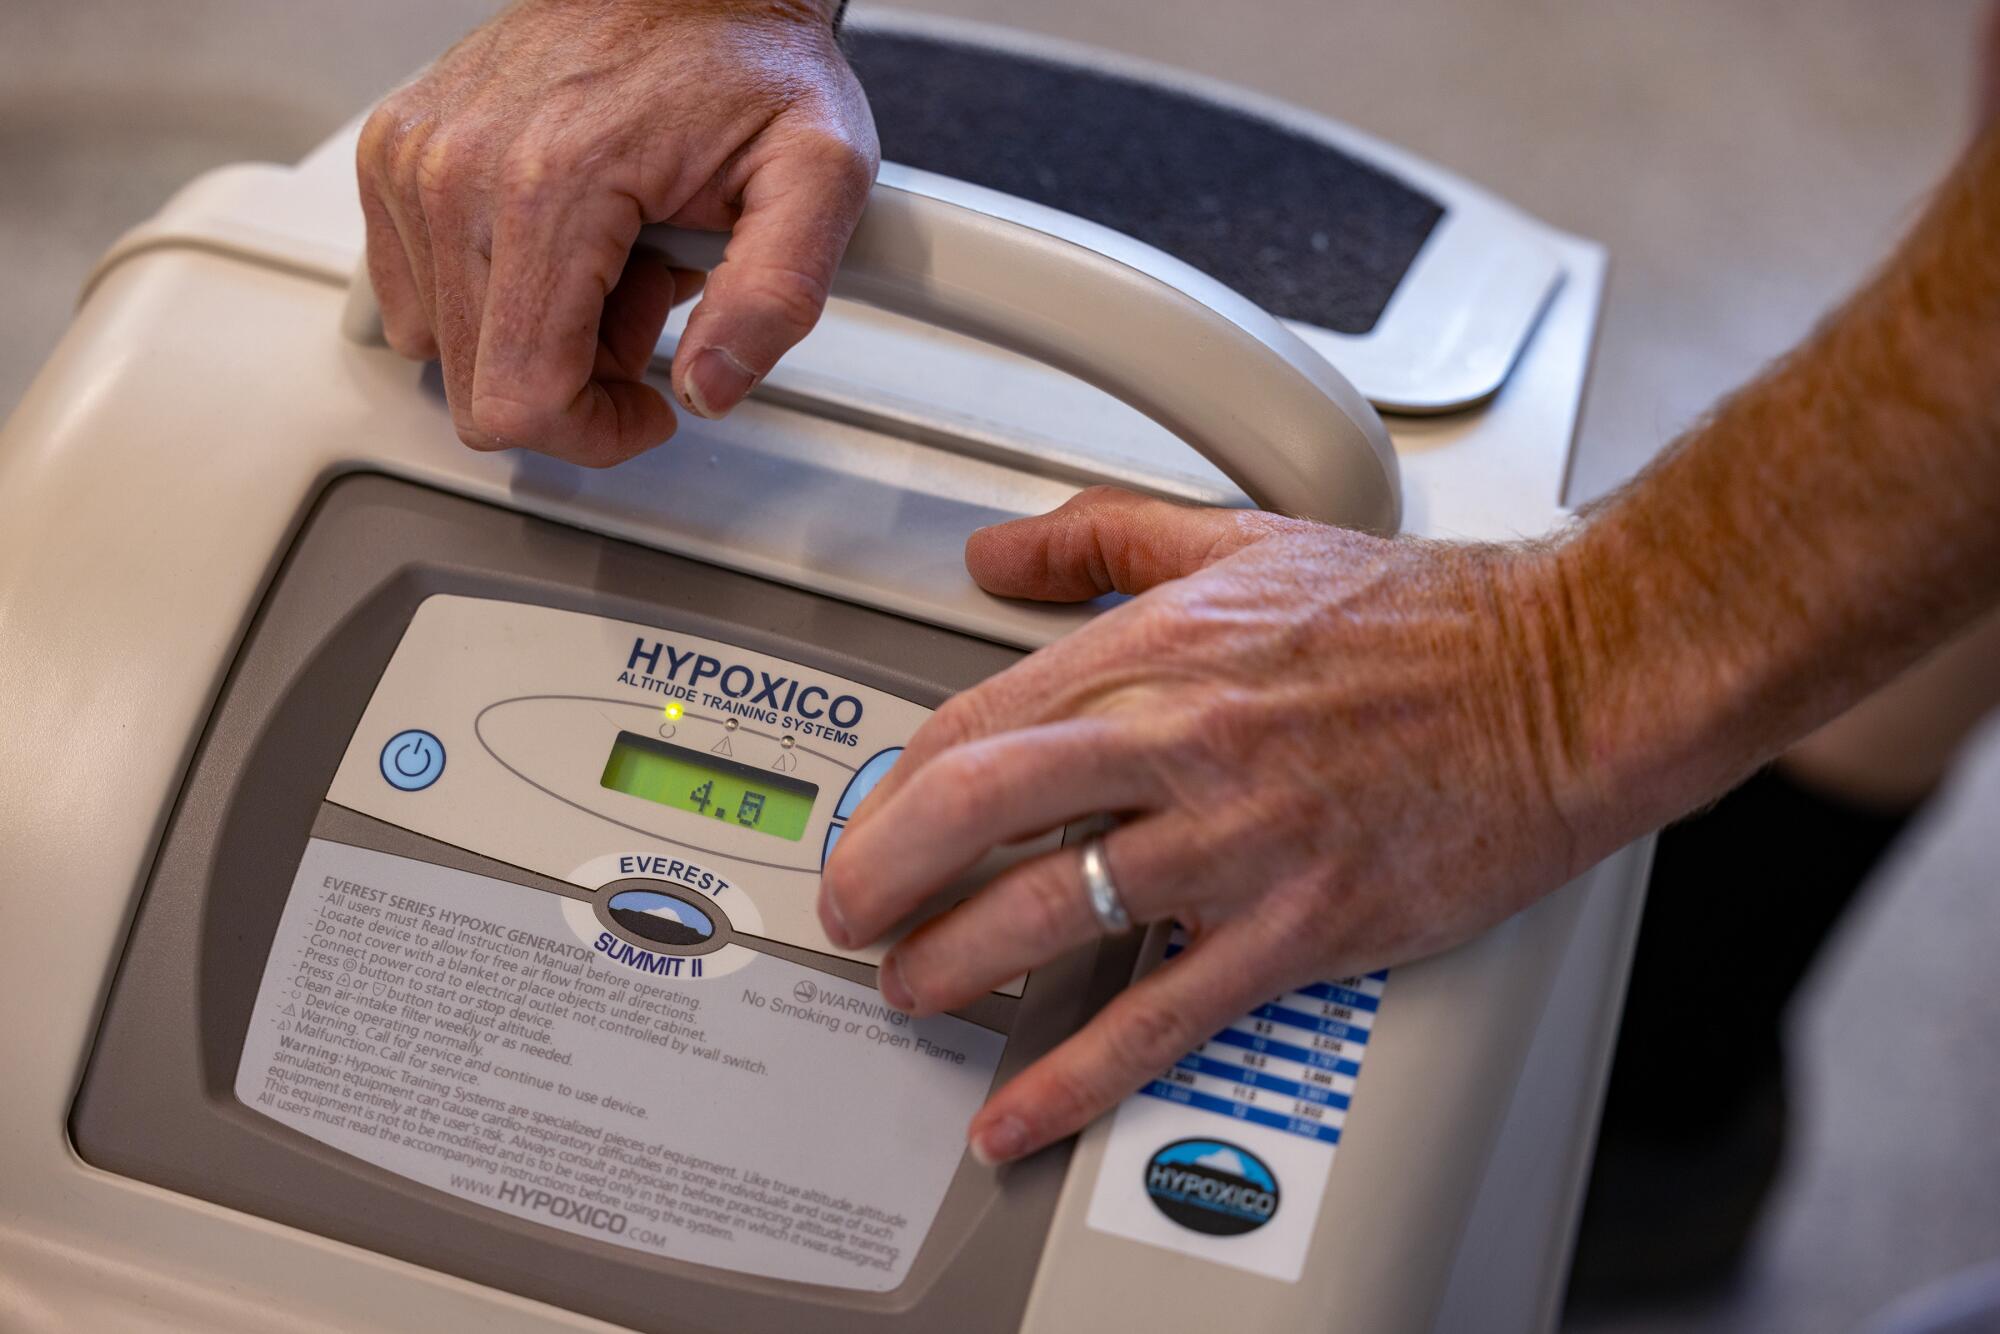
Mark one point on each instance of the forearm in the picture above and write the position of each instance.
(1822, 529)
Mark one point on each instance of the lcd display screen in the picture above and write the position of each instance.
(717, 789)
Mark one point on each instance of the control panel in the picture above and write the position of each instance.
(600, 753)
(492, 905)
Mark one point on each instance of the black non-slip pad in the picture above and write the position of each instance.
(1300, 228)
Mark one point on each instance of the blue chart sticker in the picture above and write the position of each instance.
(1289, 1064)
(1212, 1186)
(1195, 1161)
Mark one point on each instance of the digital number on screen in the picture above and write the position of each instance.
(718, 790)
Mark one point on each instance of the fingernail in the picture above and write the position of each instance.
(1001, 1142)
(831, 922)
(716, 382)
(894, 989)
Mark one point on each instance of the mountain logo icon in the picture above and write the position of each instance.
(1212, 1186)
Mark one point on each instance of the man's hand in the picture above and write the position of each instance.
(503, 190)
(1336, 752)
(1332, 752)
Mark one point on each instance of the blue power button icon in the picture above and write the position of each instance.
(412, 760)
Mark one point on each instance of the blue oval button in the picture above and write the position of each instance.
(864, 781)
(412, 760)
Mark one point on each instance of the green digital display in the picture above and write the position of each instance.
(720, 790)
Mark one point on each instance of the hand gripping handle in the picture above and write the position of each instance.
(1203, 362)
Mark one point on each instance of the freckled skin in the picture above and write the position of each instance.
(503, 189)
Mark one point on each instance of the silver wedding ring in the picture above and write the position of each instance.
(1105, 904)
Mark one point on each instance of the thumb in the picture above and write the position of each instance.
(798, 211)
(1106, 540)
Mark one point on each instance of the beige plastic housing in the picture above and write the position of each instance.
(151, 481)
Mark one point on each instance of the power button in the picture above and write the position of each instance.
(412, 760)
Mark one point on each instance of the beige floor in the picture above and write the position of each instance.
(1743, 161)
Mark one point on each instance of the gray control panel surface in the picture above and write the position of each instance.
(321, 905)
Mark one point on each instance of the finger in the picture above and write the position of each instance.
(1101, 540)
(1106, 540)
(1093, 663)
(798, 211)
(404, 324)
(1039, 911)
(555, 261)
(972, 798)
(688, 284)
(634, 313)
(384, 158)
(458, 243)
(409, 221)
(1143, 1031)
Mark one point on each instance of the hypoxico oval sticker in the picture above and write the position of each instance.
(1212, 1186)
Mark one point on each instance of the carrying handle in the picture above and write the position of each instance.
(1205, 363)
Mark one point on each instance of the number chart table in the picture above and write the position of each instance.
(1289, 1064)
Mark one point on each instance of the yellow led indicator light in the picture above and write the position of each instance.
(673, 711)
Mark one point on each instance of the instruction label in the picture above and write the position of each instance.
(1226, 1155)
(452, 1029)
